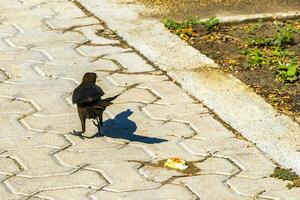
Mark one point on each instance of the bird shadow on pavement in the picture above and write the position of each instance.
(122, 127)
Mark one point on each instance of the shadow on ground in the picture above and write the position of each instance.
(123, 128)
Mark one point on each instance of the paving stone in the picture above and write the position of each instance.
(24, 55)
(292, 194)
(132, 62)
(123, 154)
(32, 24)
(6, 194)
(91, 145)
(21, 88)
(173, 112)
(15, 107)
(38, 161)
(132, 79)
(174, 192)
(119, 182)
(167, 149)
(60, 8)
(90, 33)
(253, 187)
(8, 30)
(245, 158)
(168, 92)
(67, 23)
(207, 147)
(46, 99)
(67, 193)
(12, 127)
(129, 116)
(210, 187)
(21, 71)
(31, 139)
(60, 124)
(206, 126)
(69, 70)
(11, 5)
(158, 174)
(217, 166)
(8, 166)
(99, 51)
(82, 178)
(38, 38)
(136, 95)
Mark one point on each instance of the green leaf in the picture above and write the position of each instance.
(292, 71)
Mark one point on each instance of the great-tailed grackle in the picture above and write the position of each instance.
(87, 96)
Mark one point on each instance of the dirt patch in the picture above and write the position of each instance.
(203, 8)
(261, 54)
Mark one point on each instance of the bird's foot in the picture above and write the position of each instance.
(77, 133)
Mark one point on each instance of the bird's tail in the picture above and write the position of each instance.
(105, 102)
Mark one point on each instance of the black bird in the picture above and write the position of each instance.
(87, 96)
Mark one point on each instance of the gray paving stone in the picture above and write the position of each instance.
(292, 194)
(38, 161)
(12, 127)
(67, 23)
(82, 178)
(90, 32)
(132, 62)
(99, 51)
(136, 95)
(217, 166)
(60, 8)
(211, 146)
(206, 126)
(33, 39)
(46, 99)
(158, 174)
(67, 193)
(68, 70)
(245, 158)
(210, 187)
(253, 187)
(12, 5)
(91, 145)
(8, 166)
(9, 106)
(25, 55)
(6, 194)
(169, 191)
(123, 154)
(124, 177)
(21, 71)
(60, 124)
(8, 30)
(129, 79)
(167, 150)
(143, 125)
(173, 112)
(31, 139)
(168, 92)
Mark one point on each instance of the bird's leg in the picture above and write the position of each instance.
(82, 118)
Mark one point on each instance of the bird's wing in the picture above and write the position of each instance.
(83, 94)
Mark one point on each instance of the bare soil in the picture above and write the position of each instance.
(225, 46)
(183, 9)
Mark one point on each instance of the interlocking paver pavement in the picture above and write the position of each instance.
(45, 48)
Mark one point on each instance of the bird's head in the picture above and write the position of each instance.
(89, 78)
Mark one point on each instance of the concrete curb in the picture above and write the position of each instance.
(275, 134)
